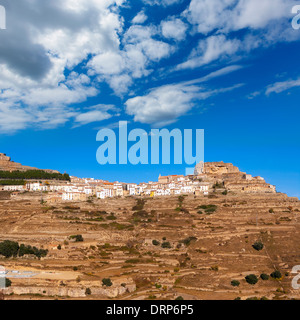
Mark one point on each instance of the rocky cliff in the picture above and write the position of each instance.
(6, 164)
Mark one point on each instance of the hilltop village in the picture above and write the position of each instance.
(217, 234)
(208, 177)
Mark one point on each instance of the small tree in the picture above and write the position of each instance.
(7, 282)
(155, 243)
(251, 279)
(235, 283)
(264, 276)
(166, 245)
(276, 275)
(258, 245)
(88, 291)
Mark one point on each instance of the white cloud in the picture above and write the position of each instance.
(96, 113)
(164, 3)
(140, 51)
(211, 49)
(264, 23)
(46, 40)
(229, 15)
(282, 86)
(174, 29)
(106, 63)
(214, 74)
(51, 39)
(164, 105)
(140, 18)
(92, 116)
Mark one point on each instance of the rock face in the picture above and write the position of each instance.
(7, 165)
(220, 168)
(232, 178)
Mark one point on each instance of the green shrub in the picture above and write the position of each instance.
(251, 279)
(34, 175)
(258, 245)
(179, 298)
(188, 240)
(166, 245)
(32, 250)
(140, 214)
(12, 249)
(9, 248)
(107, 282)
(7, 282)
(12, 182)
(208, 209)
(155, 243)
(111, 217)
(264, 276)
(180, 199)
(78, 238)
(235, 283)
(218, 185)
(88, 291)
(276, 275)
(139, 205)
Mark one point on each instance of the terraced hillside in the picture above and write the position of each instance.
(153, 248)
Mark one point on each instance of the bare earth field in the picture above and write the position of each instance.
(204, 251)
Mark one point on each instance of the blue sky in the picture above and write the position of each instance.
(69, 68)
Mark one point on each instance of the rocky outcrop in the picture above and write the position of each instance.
(6, 164)
(220, 168)
(231, 178)
(72, 292)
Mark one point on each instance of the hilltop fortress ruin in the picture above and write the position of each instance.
(7, 165)
(232, 179)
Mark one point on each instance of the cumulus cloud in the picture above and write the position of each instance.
(264, 22)
(43, 40)
(174, 29)
(140, 18)
(164, 105)
(55, 55)
(230, 15)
